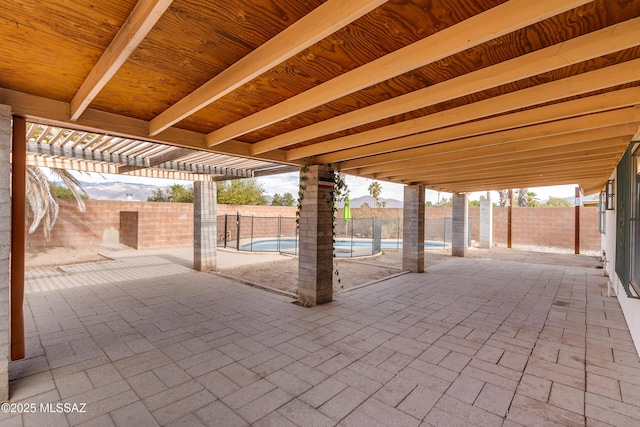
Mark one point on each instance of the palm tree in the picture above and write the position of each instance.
(374, 190)
(42, 202)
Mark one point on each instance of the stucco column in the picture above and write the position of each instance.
(315, 259)
(486, 223)
(460, 225)
(5, 239)
(413, 229)
(204, 225)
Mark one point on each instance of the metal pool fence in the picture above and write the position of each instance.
(354, 237)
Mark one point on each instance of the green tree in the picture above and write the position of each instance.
(474, 203)
(241, 192)
(158, 195)
(526, 198)
(64, 193)
(558, 202)
(445, 203)
(285, 200)
(178, 193)
(374, 190)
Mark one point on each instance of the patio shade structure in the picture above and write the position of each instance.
(58, 147)
(457, 96)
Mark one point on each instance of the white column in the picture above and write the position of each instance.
(460, 225)
(486, 223)
(204, 225)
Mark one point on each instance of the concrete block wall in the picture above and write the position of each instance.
(129, 228)
(101, 224)
(165, 228)
(548, 227)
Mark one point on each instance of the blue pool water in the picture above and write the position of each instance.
(288, 244)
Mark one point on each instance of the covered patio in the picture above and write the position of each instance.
(475, 341)
(456, 96)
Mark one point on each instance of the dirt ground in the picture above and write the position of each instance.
(350, 272)
(54, 257)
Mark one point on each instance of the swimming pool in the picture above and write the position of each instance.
(288, 244)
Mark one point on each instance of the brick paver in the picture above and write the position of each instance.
(143, 341)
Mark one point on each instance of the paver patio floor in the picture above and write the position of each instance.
(146, 342)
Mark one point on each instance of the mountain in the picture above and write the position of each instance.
(119, 190)
(359, 201)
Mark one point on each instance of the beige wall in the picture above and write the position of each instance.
(171, 224)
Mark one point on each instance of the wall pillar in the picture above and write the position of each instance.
(204, 225)
(460, 225)
(5, 239)
(413, 229)
(486, 223)
(315, 259)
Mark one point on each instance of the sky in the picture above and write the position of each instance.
(357, 186)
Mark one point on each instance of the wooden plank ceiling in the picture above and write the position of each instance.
(459, 95)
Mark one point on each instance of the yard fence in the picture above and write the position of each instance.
(354, 237)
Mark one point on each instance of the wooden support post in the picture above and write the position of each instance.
(18, 230)
(577, 228)
(509, 218)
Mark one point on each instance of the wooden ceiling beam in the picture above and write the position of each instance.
(571, 152)
(142, 19)
(310, 29)
(584, 128)
(495, 22)
(592, 45)
(587, 105)
(51, 112)
(515, 180)
(498, 169)
(521, 169)
(576, 85)
(486, 186)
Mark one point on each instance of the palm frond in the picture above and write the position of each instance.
(41, 202)
(73, 185)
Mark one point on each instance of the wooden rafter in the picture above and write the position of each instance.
(531, 161)
(559, 147)
(592, 127)
(602, 156)
(168, 156)
(578, 173)
(585, 168)
(592, 45)
(48, 111)
(493, 23)
(559, 89)
(324, 20)
(142, 19)
(562, 110)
